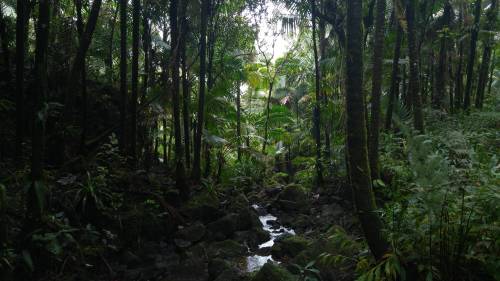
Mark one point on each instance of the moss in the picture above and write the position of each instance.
(272, 272)
(289, 246)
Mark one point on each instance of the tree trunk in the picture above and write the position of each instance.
(123, 75)
(21, 11)
(488, 46)
(196, 173)
(268, 108)
(186, 116)
(109, 59)
(414, 82)
(5, 47)
(317, 109)
(472, 54)
(136, 14)
(356, 135)
(459, 73)
(377, 61)
(35, 202)
(165, 155)
(179, 153)
(322, 52)
(441, 75)
(238, 119)
(394, 91)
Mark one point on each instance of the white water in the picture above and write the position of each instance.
(255, 262)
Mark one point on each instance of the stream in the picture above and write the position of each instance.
(256, 261)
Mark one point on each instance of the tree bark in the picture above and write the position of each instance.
(238, 119)
(35, 204)
(459, 73)
(441, 75)
(123, 75)
(179, 153)
(196, 173)
(21, 11)
(414, 81)
(136, 14)
(359, 171)
(317, 106)
(394, 91)
(186, 116)
(472, 54)
(377, 61)
(488, 47)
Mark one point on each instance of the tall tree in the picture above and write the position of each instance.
(238, 118)
(377, 62)
(35, 200)
(394, 90)
(472, 54)
(459, 83)
(123, 74)
(136, 14)
(442, 69)
(488, 47)
(414, 80)
(186, 117)
(196, 173)
(21, 10)
(357, 151)
(317, 108)
(174, 46)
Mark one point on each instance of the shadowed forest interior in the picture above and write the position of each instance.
(257, 140)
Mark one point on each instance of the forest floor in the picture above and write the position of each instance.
(115, 223)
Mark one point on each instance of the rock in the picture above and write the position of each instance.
(253, 238)
(273, 191)
(239, 202)
(203, 206)
(192, 233)
(289, 246)
(272, 272)
(247, 219)
(130, 259)
(217, 266)
(224, 227)
(331, 210)
(182, 243)
(227, 249)
(231, 274)
(191, 269)
(293, 198)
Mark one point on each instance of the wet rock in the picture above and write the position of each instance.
(192, 233)
(231, 274)
(289, 246)
(227, 249)
(247, 219)
(293, 198)
(272, 272)
(217, 266)
(253, 238)
(224, 227)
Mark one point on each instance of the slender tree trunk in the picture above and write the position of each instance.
(109, 59)
(196, 173)
(35, 204)
(165, 155)
(414, 83)
(441, 74)
(459, 73)
(5, 47)
(493, 61)
(317, 106)
(21, 11)
(357, 151)
(83, 124)
(472, 54)
(268, 109)
(394, 91)
(123, 75)
(238, 119)
(377, 61)
(186, 116)
(179, 153)
(488, 47)
(322, 51)
(136, 14)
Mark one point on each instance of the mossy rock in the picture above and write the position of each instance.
(292, 198)
(203, 206)
(227, 249)
(289, 246)
(273, 272)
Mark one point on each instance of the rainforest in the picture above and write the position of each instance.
(255, 140)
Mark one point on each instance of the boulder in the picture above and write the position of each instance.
(289, 246)
(203, 206)
(192, 233)
(247, 218)
(272, 272)
(292, 198)
(227, 249)
(191, 269)
(224, 227)
(217, 266)
(253, 237)
(231, 274)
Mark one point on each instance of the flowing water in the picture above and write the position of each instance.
(256, 261)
